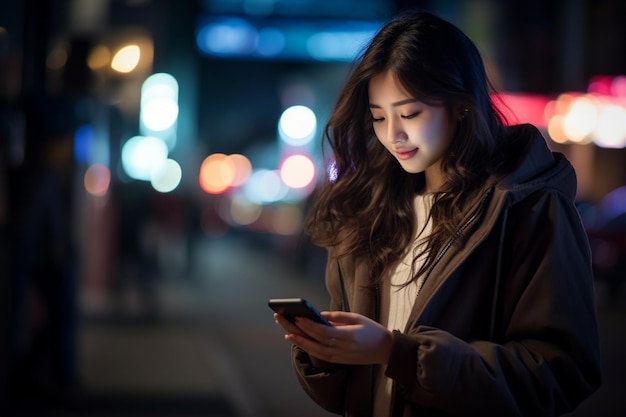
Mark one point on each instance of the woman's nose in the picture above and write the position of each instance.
(396, 132)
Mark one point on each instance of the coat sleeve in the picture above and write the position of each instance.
(324, 382)
(547, 359)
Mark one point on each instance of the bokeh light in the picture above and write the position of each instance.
(556, 129)
(270, 42)
(610, 131)
(83, 143)
(265, 186)
(580, 119)
(297, 171)
(522, 108)
(231, 36)
(301, 39)
(618, 86)
(243, 169)
(126, 59)
(243, 211)
(99, 57)
(159, 102)
(600, 84)
(166, 176)
(141, 154)
(97, 179)
(586, 118)
(159, 114)
(337, 45)
(297, 125)
(217, 173)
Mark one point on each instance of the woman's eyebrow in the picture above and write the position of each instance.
(395, 104)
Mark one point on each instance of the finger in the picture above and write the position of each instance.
(317, 331)
(342, 317)
(328, 352)
(323, 335)
(287, 325)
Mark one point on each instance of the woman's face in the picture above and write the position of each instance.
(416, 134)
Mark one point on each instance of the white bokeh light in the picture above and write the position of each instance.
(166, 176)
(159, 103)
(610, 131)
(126, 59)
(141, 154)
(297, 125)
(580, 119)
(297, 171)
(159, 114)
(265, 186)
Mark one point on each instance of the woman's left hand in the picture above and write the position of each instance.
(352, 338)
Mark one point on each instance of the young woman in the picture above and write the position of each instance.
(458, 270)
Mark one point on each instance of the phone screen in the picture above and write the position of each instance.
(291, 308)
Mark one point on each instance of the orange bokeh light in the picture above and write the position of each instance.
(97, 179)
(217, 173)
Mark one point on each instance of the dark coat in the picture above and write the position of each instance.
(504, 325)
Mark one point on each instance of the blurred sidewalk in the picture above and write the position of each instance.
(213, 349)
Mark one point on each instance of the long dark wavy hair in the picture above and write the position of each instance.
(365, 208)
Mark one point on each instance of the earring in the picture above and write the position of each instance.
(462, 115)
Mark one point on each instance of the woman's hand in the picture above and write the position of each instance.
(352, 339)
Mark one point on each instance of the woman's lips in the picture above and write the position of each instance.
(406, 154)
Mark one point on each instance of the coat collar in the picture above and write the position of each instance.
(533, 167)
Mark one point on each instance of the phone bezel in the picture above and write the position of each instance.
(291, 308)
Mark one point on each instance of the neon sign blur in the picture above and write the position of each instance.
(235, 37)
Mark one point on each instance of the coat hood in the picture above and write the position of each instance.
(532, 165)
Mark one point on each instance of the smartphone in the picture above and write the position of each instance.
(291, 308)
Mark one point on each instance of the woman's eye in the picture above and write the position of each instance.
(412, 115)
(377, 119)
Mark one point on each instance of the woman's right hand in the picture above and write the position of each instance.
(352, 338)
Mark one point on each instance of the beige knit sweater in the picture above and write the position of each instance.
(397, 300)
